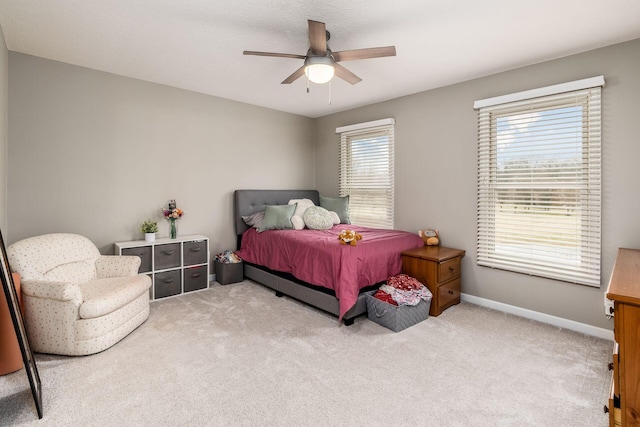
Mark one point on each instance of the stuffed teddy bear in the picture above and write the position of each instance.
(349, 237)
(429, 237)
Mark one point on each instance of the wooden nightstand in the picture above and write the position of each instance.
(439, 269)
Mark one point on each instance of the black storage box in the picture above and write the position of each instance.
(229, 273)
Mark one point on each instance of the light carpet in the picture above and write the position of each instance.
(236, 355)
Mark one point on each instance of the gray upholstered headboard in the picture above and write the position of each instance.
(247, 202)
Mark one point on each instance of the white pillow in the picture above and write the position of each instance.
(298, 215)
(298, 222)
(335, 216)
(317, 218)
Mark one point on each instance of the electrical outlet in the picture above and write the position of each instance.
(608, 306)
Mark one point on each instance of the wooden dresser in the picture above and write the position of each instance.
(624, 290)
(439, 269)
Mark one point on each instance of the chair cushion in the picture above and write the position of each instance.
(59, 257)
(73, 272)
(103, 296)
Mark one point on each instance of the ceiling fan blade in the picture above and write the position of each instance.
(372, 52)
(346, 75)
(317, 37)
(280, 55)
(293, 77)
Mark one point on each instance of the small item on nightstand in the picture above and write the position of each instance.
(429, 236)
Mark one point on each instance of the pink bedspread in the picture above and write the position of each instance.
(318, 258)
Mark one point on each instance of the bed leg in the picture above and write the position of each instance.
(279, 294)
(349, 322)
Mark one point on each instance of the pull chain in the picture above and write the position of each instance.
(330, 82)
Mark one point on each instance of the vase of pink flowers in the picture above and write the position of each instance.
(172, 214)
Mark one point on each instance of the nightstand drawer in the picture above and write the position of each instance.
(449, 269)
(144, 252)
(167, 256)
(195, 253)
(449, 294)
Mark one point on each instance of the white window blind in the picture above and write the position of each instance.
(366, 172)
(539, 191)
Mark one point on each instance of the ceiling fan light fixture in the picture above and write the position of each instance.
(319, 69)
(320, 63)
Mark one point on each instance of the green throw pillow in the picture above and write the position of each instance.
(339, 205)
(277, 217)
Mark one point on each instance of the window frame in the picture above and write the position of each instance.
(522, 251)
(359, 187)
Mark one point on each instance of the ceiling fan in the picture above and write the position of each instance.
(320, 63)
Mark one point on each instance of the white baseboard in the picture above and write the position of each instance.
(540, 317)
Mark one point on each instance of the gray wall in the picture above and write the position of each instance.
(95, 154)
(436, 171)
(4, 82)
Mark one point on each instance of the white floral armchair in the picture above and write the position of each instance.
(76, 301)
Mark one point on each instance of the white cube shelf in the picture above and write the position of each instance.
(176, 266)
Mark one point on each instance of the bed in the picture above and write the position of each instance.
(327, 275)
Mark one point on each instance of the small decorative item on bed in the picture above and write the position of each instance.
(349, 237)
(308, 262)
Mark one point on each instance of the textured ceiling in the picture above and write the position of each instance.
(197, 44)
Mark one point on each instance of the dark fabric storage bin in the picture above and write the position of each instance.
(167, 283)
(195, 252)
(166, 256)
(144, 252)
(229, 273)
(396, 317)
(195, 278)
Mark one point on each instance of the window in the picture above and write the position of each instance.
(539, 196)
(366, 172)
